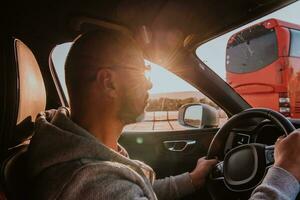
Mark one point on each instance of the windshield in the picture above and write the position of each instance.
(295, 43)
(261, 60)
(251, 50)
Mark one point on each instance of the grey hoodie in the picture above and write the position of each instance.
(67, 162)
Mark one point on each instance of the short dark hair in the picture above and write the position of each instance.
(95, 49)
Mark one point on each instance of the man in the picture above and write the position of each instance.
(75, 155)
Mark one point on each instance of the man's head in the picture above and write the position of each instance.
(105, 71)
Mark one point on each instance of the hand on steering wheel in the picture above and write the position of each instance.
(244, 166)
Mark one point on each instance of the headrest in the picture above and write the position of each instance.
(32, 94)
(24, 94)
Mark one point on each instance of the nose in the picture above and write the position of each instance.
(149, 84)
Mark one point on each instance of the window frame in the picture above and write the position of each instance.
(58, 86)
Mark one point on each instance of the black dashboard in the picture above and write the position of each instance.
(264, 132)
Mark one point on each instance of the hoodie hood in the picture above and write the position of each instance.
(57, 139)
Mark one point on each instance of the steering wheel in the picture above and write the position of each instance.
(244, 166)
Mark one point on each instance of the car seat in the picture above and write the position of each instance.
(22, 97)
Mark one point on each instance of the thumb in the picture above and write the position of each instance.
(279, 139)
(211, 162)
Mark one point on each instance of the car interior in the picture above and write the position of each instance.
(168, 31)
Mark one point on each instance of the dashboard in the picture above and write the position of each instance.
(265, 133)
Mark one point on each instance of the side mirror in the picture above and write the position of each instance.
(198, 116)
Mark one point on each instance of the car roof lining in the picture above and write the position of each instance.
(200, 19)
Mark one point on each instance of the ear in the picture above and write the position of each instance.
(106, 82)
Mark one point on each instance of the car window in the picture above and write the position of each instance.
(58, 57)
(169, 92)
(254, 60)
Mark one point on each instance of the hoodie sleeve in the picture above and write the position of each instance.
(106, 181)
(277, 185)
(173, 187)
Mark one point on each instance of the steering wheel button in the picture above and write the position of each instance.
(269, 157)
(217, 172)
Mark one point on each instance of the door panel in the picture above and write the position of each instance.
(157, 149)
(151, 148)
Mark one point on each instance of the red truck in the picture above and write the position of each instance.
(263, 65)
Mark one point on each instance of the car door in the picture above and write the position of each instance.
(160, 141)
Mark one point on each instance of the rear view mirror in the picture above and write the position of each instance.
(198, 116)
